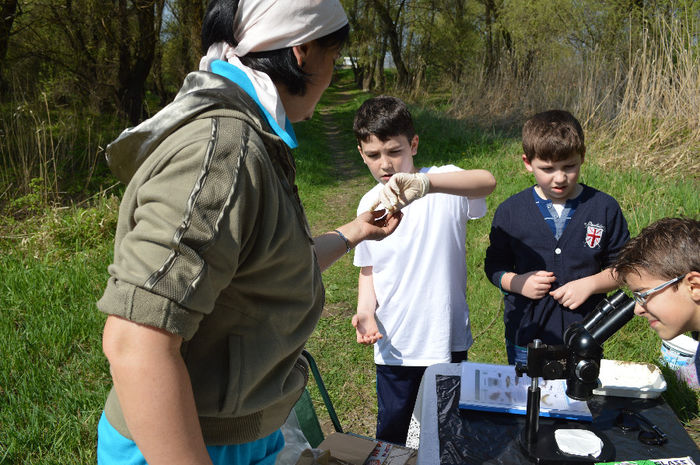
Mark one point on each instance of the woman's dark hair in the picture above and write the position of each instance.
(217, 25)
(281, 65)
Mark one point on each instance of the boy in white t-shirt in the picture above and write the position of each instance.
(412, 286)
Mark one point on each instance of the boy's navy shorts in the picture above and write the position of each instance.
(397, 389)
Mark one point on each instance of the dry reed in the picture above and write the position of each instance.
(41, 146)
(639, 111)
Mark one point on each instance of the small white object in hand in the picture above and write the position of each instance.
(578, 442)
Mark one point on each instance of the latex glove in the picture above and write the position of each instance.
(402, 189)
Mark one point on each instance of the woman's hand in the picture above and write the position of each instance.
(373, 225)
(368, 225)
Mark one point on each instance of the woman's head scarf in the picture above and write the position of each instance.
(264, 25)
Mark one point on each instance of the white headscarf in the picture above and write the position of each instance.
(264, 25)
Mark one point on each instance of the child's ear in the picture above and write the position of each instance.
(362, 154)
(414, 145)
(528, 166)
(693, 279)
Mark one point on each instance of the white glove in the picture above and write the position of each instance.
(402, 189)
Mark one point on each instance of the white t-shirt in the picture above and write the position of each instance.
(420, 278)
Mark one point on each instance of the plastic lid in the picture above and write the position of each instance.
(682, 343)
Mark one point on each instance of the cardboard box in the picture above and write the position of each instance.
(348, 449)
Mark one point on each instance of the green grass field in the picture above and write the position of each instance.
(348, 367)
(53, 268)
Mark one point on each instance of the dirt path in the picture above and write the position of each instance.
(343, 154)
(352, 181)
(342, 161)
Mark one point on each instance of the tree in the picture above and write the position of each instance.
(361, 18)
(136, 46)
(8, 12)
(391, 27)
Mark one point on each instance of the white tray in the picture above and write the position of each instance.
(630, 379)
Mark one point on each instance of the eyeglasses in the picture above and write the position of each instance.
(641, 297)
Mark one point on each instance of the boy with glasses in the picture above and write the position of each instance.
(661, 266)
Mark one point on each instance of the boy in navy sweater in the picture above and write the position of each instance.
(553, 244)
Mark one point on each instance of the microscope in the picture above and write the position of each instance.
(578, 362)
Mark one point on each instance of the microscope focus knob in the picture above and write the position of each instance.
(553, 369)
(587, 371)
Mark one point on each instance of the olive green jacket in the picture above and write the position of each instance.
(213, 245)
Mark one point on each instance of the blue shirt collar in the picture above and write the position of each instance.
(227, 70)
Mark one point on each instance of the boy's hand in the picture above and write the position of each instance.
(366, 328)
(402, 189)
(533, 285)
(573, 294)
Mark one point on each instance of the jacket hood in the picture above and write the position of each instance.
(201, 92)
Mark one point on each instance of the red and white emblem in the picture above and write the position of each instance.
(594, 233)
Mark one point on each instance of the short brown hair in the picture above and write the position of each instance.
(383, 117)
(667, 248)
(553, 135)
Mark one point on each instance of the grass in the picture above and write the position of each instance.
(348, 368)
(54, 378)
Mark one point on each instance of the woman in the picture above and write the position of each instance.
(215, 285)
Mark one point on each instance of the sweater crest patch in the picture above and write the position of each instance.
(594, 234)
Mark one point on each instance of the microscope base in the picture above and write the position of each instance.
(546, 452)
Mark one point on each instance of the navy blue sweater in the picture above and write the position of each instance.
(521, 241)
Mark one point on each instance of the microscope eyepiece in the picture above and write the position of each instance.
(585, 342)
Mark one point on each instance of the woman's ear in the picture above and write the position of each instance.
(300, 52)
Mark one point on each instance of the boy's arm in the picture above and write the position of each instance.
(364, 321)
(404, 188)
(500, 261)
(533, 285)
(574, 293)
(465, 183)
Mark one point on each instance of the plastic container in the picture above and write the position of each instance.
(679, 351)
(630, 379)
